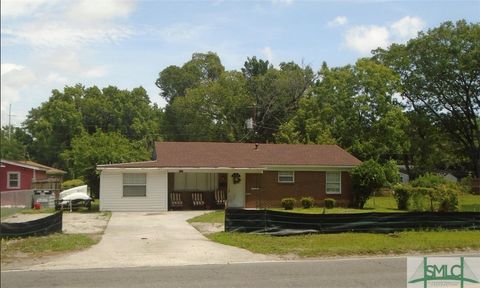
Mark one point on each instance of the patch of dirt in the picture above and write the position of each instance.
(20, 260)
(208, 228)
(73, 223)
(85, 223)
(92, 224)
(19, 217)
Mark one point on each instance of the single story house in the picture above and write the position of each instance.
(23, 175)
(188, 175)
(404, 177)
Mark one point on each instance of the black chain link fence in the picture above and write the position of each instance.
(286, 223)
(39, 227)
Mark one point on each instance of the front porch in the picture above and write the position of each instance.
(200, 190)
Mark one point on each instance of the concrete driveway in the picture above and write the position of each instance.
(152, 239)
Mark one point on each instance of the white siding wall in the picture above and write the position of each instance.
(111, 192)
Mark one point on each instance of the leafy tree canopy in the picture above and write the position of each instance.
(87, 151)
(12, 147)
(440, 77)
(201, 69)
(354, 107)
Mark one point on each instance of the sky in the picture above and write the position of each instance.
(50, 44)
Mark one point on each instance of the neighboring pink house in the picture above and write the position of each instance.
(19, 175)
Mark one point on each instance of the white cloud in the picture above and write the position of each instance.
(366, 38)
(268, 53)
(182, 32)
(407, 27)
(9, 67)
(15, 74)
(69, 64)
(64, 31)
(282, 2)
(59, 23)
(59, 34)
(55, 77)
(18, 8)
(90, 10)
(338, 21)
(95, 72)
(14, 78)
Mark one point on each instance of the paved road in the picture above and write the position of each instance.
(378, 272)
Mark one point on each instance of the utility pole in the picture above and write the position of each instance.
(10, 122)
(254, 124)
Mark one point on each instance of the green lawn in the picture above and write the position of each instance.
(467, 202)
(374, 204)
(5, 212)
(38, 211)
(213, 217)
(95, 208)
(39, 246)
(316, 245)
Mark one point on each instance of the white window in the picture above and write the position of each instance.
(334, 183)
(13, 180)
(195, 182)
(134, 185)
(286, 177)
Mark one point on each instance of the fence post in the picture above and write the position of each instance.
(265, 220)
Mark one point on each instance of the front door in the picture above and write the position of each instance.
(253, 194)
(236, 190)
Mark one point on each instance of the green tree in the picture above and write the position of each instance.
(354, 107)
(392, 173)
(12, 148)
(127, 112)
(307, 126)
(202, 68)
(440, 76)
(69, 113)
(88, 151)
(174, 82)
(254, 67)
(54, 124)
(276, 93)
(430, 149)
(366, 179)
(214, 112)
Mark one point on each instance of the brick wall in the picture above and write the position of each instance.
(263, 190)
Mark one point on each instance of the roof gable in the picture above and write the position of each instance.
(34, 166)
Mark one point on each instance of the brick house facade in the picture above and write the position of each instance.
(250, 175)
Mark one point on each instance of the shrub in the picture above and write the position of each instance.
(428, 180)
(288, 203)
(330, 203)
(307, 202)
(441, 198)
(392, 173)
(401, 193)
(421, 199)
(366, 178)
(447, 196)
(72, 183)
(467, 184)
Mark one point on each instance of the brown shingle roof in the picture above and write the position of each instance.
(242, 155)
(36, 166)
